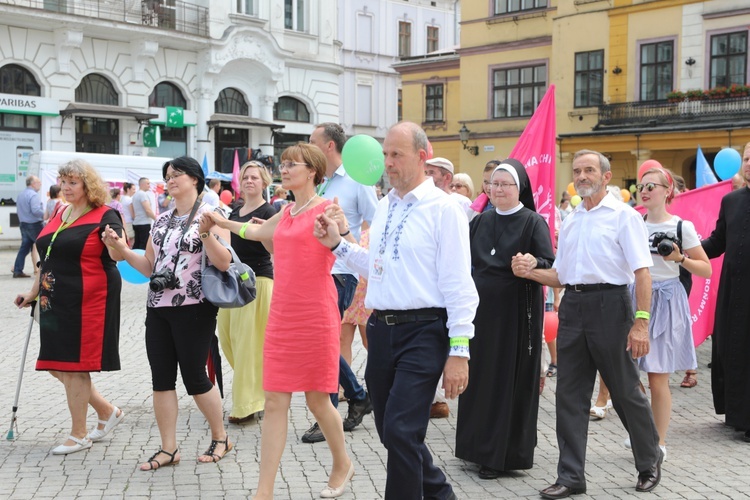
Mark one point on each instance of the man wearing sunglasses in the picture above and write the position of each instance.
(730, 373)
(602, 248)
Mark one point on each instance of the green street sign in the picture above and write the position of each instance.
(175, 117)
(152, 137)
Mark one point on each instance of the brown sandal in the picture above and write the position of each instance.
(152, 460)
(215, 457)
(690, 380)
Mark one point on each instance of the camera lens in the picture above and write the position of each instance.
(665, 248)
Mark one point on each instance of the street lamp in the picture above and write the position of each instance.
(464, 134)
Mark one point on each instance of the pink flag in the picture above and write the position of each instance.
(236, 174)
(536, 150)
(701, 207)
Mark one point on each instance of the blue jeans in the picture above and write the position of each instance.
(345, 286)
(29, 233)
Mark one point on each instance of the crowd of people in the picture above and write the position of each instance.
(447, 290)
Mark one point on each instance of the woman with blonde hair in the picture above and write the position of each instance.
(242, 330)
(78, 295)
(301, 350)
(462, 184)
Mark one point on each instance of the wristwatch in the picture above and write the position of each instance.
(205, 235)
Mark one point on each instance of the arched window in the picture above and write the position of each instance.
(291, 110)
(97, 89)
(231, 102)
(166, 94)
(15, 79)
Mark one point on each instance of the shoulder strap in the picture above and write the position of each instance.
(679, 230)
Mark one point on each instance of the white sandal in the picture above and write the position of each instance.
(80, 444)
(599, 412)
(97, 434)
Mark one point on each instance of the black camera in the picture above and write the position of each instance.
(663, 243)
(161, 280)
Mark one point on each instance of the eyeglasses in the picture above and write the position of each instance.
(174, 175)
(457, 185)
(289, 164)
(649, 185)
(502, 185)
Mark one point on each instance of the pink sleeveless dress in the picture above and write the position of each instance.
(301, 350)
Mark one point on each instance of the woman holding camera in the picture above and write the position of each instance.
(670, 331)
(79, 302)
(301, 349)
(180, 323)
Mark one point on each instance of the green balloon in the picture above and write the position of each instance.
(363, 159)
(632, 188)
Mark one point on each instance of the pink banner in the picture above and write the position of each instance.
(701, 207)
(236, 175)
(536, 150)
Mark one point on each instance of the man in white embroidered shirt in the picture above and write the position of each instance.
(602, 248)
(422, 319)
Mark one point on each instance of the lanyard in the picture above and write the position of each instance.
(62, 227)
(322, 189)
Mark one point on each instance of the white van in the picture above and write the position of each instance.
(112, 168)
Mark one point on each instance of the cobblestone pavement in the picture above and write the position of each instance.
(706, 458)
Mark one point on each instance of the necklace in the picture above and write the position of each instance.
(495, 238)
(293, 213)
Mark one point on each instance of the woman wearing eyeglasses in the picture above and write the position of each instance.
(497, 413)
(462, 184)
(301, 349)
(670, 331)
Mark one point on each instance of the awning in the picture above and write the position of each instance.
(80, 108)
(219, 119)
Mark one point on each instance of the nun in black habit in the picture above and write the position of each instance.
(497, 414)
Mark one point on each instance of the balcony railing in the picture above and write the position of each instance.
(651, 114)
(173, 15)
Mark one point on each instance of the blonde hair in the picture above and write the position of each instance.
(465, 179)
(93, 185)
(311, 155)
(262, 171)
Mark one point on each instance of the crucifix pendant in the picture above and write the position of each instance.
(492, 252)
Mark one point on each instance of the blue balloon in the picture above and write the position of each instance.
(727, 163)
(129, 273)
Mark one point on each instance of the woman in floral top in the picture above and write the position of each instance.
(180, 323)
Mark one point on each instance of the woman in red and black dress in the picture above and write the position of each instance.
(79, 301)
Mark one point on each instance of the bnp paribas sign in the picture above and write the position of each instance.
(29, 105)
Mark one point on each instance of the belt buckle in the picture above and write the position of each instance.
(390, 319)
(577, 289)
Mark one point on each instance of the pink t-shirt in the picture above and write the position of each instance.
(188, 270)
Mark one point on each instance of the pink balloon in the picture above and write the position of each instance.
(647, 165)
(226, 197)
(430, 152)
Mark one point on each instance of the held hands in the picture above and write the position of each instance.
(455, 376)
(111, 239)
(336, 213)
(326, 231)
(522, 265)
(209, 219)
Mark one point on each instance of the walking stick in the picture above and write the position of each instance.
(13, 422)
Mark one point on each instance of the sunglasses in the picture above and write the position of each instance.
(650, 186)
(456, 186)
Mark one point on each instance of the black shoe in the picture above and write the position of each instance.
(21, 275)
(560, 491)
(313, 435)
(649, 479)
(357, 411)
(488, 472)
(746, 437)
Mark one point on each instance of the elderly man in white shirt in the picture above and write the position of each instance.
(602, 248)
(422, 319)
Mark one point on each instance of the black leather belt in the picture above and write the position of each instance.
(592, 288)
(397, 317)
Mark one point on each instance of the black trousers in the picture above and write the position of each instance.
(180, 336)
(592, 335)
(404, 364)
(142, 232)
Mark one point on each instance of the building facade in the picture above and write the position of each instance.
(374, 36)
(634, 79)
(102, 76)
